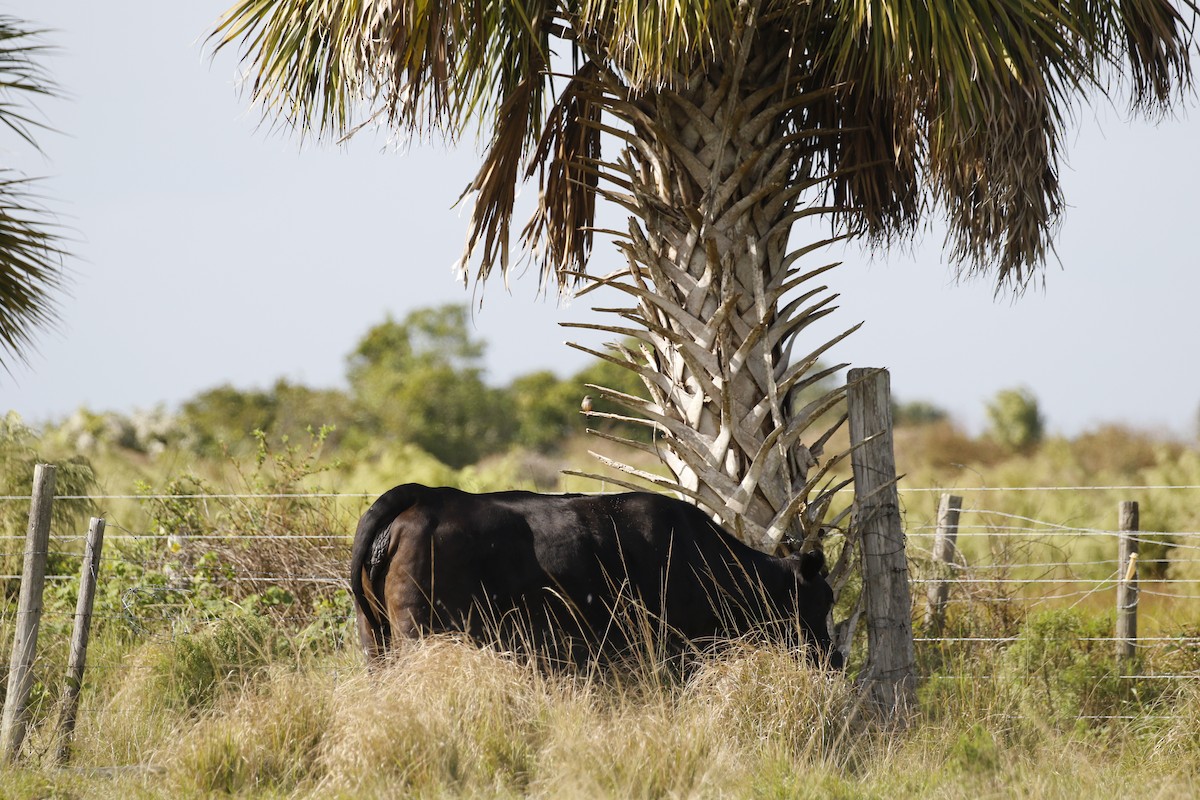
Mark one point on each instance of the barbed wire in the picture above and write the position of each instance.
(1146, 677)
(368, 495)
(1050, 564)
(179, 608)
(203, 496)
(1021, 581)
(1046, 527)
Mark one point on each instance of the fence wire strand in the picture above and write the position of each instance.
(980, 586)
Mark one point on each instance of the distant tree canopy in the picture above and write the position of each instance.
(224, 417)
(545, 409)
(1015, 420)
(421, 380)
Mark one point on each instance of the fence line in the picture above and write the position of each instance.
(202, 496)
(1163, 639)
(146, 613)
(368, 495)
(338, 539)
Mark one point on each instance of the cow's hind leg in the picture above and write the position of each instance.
(372, 640)
(407, 586)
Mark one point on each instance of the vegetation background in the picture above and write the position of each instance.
(223, 661)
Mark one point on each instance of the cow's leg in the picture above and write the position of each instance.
(407, 586)
(372, 639)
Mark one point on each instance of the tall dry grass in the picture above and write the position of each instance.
(446, 718)
(449, 719)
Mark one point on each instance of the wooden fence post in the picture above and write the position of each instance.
(944, 553)
(890, 674)
(1127, 580)
(79, 639)
(29, 614)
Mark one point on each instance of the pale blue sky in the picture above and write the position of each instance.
(212, 251)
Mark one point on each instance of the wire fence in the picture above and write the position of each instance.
(1014, 559)
(1031, 581)
(174, 564)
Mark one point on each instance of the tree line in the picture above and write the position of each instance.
(420, 380)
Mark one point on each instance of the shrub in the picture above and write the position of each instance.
(74, 479)
(187, 671)
(1059, 675)
(221, 546)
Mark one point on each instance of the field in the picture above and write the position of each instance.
(234, 708)
(223, 662)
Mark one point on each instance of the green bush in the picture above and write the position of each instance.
(188, 670)
(21, 450)
(1060, 676)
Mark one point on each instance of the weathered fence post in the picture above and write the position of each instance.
(944, 553)
(29, 614)
(79, 639)
(1127, 580)
(890, 674)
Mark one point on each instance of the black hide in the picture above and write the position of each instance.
(574, 577)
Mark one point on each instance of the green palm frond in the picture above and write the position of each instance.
(912, 104)
(654, 44)
(31, 251)
(987, 88)
(30, 266)
(431, 66)
(311, 59)
(21, 75)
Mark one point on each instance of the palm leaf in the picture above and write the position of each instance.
(31, 253)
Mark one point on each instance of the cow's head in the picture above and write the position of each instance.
(814, 601)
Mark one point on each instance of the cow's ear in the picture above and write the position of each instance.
(811, 564)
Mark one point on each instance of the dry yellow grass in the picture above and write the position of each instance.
(448, 719)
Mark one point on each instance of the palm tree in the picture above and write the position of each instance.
(30, 250)
(731, 121)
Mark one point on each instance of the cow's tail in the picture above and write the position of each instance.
(368, 564)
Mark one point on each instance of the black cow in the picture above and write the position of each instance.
(557, 573)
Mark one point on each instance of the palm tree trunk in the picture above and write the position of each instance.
(711, 176)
